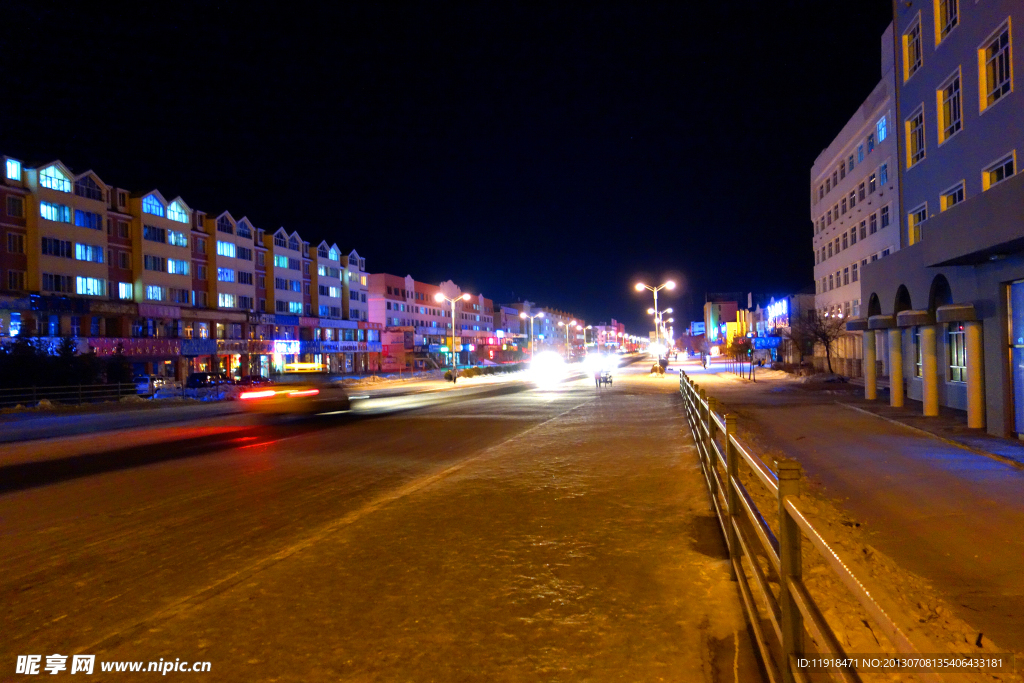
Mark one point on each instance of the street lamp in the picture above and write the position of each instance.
(524, 316)
(439, 297)
(567, 326)
(665, 285)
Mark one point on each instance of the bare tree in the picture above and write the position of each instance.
(824, 330)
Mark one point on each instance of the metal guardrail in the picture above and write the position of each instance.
(72, 394)
(794, 613)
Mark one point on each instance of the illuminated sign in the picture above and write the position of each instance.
(778, 309)
(286, 347)
(697, 328)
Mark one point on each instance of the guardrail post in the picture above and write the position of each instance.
(731, 497)
(791, 566)
(702, 418)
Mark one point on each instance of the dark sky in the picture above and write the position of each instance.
(548, 151)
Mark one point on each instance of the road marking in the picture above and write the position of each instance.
(183, 605)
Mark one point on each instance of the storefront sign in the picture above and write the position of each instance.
(371, 347)
(767, 342)
(154, 311)
(261, 319)
(146, 347)
(287, 347)
(309, 322)
(287, 319)
(261, 347)
(198, 347)
(113, 308)
(232, 346)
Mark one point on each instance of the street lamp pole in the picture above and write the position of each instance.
(439, 297)
(524, 316)
(567, 326)
(665, 285)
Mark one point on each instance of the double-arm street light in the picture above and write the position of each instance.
(657, 316)
(571, 323)
(524, 316)
(439, 297)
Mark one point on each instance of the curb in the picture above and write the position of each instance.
(977, 451)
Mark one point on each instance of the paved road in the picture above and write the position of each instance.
(951, 516)
(536, 535)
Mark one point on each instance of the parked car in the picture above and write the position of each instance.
(253, 381)
(148, 385)
(198, 380)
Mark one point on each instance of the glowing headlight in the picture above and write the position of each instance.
(547, 369)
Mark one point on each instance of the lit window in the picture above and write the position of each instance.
(154, 293)
(55, 212)
(87, 252)
(280, 261)
(915, 138)
(947, 15)
(914, 220)
(124, 290)
(226, 249)
(177, 266)
(87, 219)
(177, 239)
(226, 300)
(881, 130)
(860, 153)
(957, 353)
(14, 169)
(176, 213)
(294, 307)
(334, 255)
(872, 183)
(994, 67)
(883, 174)
(913, 55)
(152, 205)
(90, 286)
(949, 109)
(998, 172)
(952, 196)
(52, 178)
(225, 275)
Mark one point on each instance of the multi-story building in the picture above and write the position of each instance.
(557, 330)
(854, 200)
(950, 303)
(176, 290)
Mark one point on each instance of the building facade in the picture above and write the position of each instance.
(948, 308)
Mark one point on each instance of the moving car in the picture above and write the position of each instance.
(148, 385)
(299, 398)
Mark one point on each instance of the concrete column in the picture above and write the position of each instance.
(870, 377)
(975, 376)
(896, 367)
(929, 372)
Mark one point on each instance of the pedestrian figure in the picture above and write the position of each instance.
(597, 379)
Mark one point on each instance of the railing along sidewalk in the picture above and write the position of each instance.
(794, 613)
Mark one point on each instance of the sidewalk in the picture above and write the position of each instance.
(921, 487)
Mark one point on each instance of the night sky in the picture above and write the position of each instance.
(551, 153)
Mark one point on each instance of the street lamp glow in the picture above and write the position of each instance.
(524, 316)
(669, 284)
(439, 297)
(640, 286)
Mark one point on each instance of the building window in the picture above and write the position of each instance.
(835, 178)
(280, 261)
(225, 275)
(226, 249)
(86, 219)
(885, 216)
(244, 278)
(15, 243)
(176, 213)
(860, 153)
(915, 137)
(90, 286)
(831, 282)
(154, 293)
(853, 199)
(152, 205)
(952, 196)
(881, 130)
(124, 260)
(178, 296)
(224, 225)
(913, 55)
(872, 183)
(861, 195)
(279, 241)
(122, 229)
(917, 352)
(177, 239)
(177, 266)
(998, 172)
(124, 290)
(155, 263)
(845, 241)
(853, 273)
(957, 353)
(13, 170)
(871, 142)
(830, 250)
(914, 220)
(842, 171)
(873, 223)
(863, 229)
(201, 272)
(243, 230)
(843, 203)
(994, 67)
(63, 284)
(87, 187)
(828, 185)
(87, 252)
(15, 207)
(51, 177)
(199, 299)
(949, 108)
(154, 234)
(56, 247)
(226, 300)
(54, 212)
(883, 174)
(16, 282)
(853, 235)
(846, 276)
